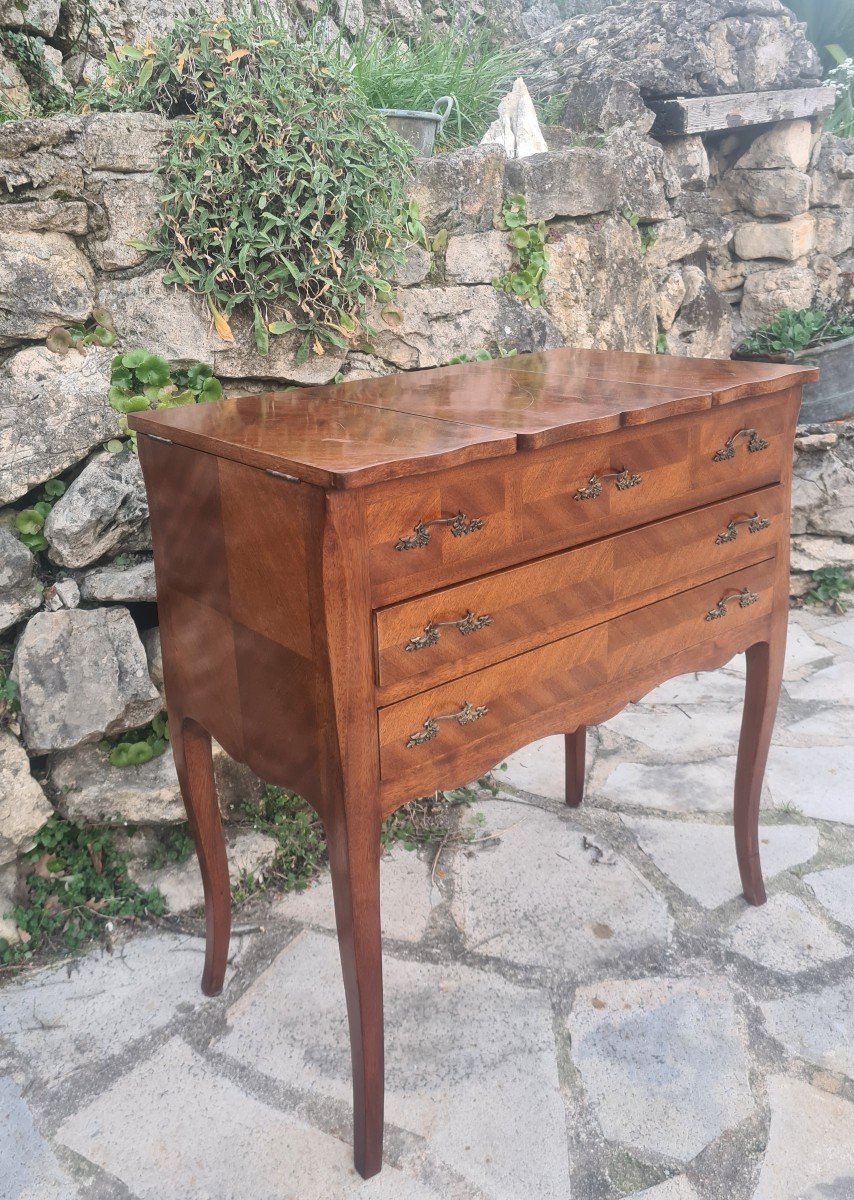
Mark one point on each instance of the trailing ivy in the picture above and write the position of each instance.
(283, 186)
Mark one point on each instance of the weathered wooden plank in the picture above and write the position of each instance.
(704, 114)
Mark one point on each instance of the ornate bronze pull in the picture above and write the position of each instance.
(624, 478)
(466, 625)
(460, 525)
(745, 599)
(755, 524)
(755, 443)
(430, 728)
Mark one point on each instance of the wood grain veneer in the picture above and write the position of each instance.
(596, 507)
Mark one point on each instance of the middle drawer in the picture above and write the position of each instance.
(448, 633)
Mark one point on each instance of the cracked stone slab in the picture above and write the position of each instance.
(783, 935)
(61, 1024)
(704, 687)
(817, 1026)
(405, 898)
(834, 890)
(700, 858)
(536, 897)
(833, 685)
(677, 1188)
(814, 780)
(802, 653)
(454, 1037)
(810, 1153)
(541, 767)
(197, 1135)
(30, 1168)
(841, 632)
(677, 787)
(826, 726)
(662, 1061)
(680, 733)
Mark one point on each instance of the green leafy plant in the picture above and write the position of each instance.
(76, 883)
(462, 61)
(481, 356)
(9, 702)
(27, 51)
(841, 120)
(283, 187)
(138, 746)
(140, 380)
(171, 845)
(96, 331)
(829, 584)
(29, 522)
(793, 331)
(525, 277)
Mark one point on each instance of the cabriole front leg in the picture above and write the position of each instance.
(762, 693)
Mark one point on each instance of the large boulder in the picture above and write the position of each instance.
(787, 240)
(685, 165)
(168, 321)
(639, 162)
(53, 411)
(45, 216)
(767, 290)
(426, 327)
(566, 183)
(44, 281)
(462, 191)
(20, 589)
(478, 257)
(24, 807)
(833, 176)
(82, 674)
(598, 289)
(823, 482)
(783, 193)
(784, 146)
(671, 48)
(106, 585)
(35, 16)
(41, 157)
(104, 511)
(702, 327)
(126, 209)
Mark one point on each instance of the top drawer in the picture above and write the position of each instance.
(436, 529)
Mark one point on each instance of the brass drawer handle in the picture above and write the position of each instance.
(430, 728)
(755, 524)
(745, 599)
(624, 478)
(460, 525)
(755, 443)
(466, 625)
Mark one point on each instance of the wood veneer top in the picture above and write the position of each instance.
(358, 433)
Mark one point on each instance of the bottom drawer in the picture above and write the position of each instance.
(430, 736)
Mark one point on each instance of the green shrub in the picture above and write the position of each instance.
(525, 277)
(465, 63)
(795, 330)
(283, 187)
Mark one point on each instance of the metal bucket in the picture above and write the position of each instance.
(419, 128)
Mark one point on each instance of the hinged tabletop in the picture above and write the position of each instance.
(353, 434)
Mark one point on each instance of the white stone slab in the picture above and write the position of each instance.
(840, 631)
(810, 1153)
(818, 1026)
(706, 687)
(470, 1060)
(405, 902)
(61, 1022)
(662, 1062)
(540, 768)
(817, 781)
(680, 733)
(785, 936)
(700, 858)
(802, 652)
(678, 787)
(677, 1188)
(537, 897)
(824, 727)
(834, 889)
(833, 685)
(29, 1170)
(173, 1127)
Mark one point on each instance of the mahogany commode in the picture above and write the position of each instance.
(373, 590)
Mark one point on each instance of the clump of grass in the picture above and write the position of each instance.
(463, 62)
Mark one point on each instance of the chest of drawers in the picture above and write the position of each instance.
(371, 591)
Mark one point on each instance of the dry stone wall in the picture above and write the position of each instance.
(679, 245)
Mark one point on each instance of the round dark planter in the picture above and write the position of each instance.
(832, 397)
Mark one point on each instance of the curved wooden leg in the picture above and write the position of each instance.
(576, 754)
(762, 693)
(354, 858)
(191, 746)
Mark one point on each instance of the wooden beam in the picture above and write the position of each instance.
(704, 114)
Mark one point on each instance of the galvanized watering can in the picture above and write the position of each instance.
(419, 128)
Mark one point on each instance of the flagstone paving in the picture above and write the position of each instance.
(579, 1003)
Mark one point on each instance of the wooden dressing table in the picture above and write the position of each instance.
(373, 590)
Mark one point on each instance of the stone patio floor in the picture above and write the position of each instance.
(577, 1004)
